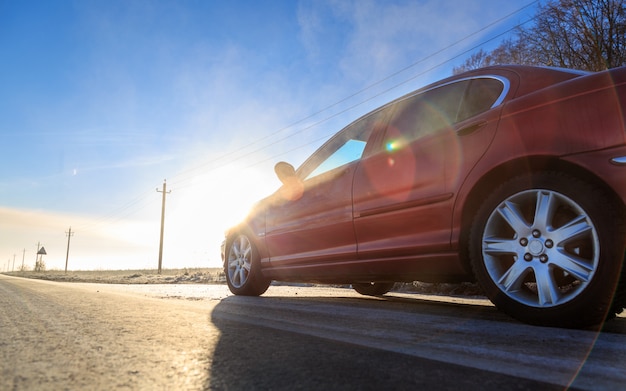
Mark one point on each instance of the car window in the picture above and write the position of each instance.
(444, 106)
(430, 111)
(482, 95)
(350, 151)
(345, 147)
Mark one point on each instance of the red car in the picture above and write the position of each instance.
(511, 176)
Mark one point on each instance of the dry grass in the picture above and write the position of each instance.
(167, 276)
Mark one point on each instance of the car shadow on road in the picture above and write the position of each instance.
(616, 325)
(270, 342)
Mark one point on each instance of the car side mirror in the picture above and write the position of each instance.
(285, 172)
(293, 188)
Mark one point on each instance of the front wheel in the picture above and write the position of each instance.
(547, 249)
(373, 288)
(242, 267)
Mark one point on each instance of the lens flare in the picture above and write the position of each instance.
(392, 145)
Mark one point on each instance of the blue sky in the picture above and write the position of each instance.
(100, 101)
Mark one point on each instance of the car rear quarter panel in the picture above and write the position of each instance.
(579, 115)
(564, 125)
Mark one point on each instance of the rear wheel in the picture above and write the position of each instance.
(242, 267)
(548, 249)
(373, 288)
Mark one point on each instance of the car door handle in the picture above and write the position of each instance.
(471, 128)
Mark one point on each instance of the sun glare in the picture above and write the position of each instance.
(198, 214)
(229, 194)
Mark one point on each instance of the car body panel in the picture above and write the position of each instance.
(323, 213)
(540, 128)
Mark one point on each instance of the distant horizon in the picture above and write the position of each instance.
(109, 271)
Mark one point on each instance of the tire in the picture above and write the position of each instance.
(242, 267)
(548, 250)
(373, 288)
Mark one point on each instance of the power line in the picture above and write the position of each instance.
(229, 154)
(119, 213)
(187, 175)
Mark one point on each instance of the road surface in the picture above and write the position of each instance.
(99, 337)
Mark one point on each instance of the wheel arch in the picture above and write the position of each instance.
(498, 175)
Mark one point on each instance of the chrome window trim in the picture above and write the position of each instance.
(620, 160)
(505, 90)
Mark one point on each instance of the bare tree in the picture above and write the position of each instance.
(510, 51)
(477, 60)
(581, 34)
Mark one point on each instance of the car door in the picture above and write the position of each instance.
(317, 226)
(404, 194)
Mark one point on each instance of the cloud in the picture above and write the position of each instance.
(131, 162)
(182, 91)
(378, 38)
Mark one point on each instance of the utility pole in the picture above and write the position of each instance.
(67, 255)
(13, 268)
(164, 191)
(23, 255)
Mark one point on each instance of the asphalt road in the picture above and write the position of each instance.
(90, 336)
